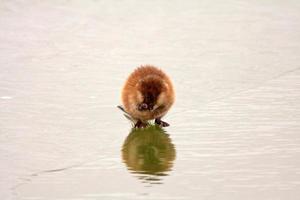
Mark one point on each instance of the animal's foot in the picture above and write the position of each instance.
(161, 123)
(140, 124)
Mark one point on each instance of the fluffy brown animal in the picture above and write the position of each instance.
(148, 94)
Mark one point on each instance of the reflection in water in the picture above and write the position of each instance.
(149, 153)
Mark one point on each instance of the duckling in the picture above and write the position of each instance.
(148, 94)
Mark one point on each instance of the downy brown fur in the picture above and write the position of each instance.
(147, 94)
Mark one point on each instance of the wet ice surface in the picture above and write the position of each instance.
(234, 128)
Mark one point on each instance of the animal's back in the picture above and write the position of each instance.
(142, 72)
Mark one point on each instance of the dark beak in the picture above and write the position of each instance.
(150, 107)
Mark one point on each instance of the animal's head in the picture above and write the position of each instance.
(151, 89)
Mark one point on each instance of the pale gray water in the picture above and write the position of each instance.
(235, 126)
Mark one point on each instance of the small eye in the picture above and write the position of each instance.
(142, 107)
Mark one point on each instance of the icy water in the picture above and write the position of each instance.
(235, 126)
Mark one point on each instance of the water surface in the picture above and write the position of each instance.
(235, 125)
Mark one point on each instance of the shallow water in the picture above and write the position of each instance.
(235, 126)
